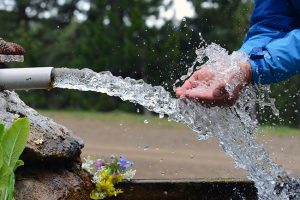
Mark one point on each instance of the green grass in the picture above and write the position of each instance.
(279, 130)
(118, 116)
(133, 118)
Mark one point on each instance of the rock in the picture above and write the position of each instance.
(52, 156)
(11, 58)
(48, 141)
(57, 182)
(11, 52)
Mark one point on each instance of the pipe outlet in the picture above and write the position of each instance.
(26, 78)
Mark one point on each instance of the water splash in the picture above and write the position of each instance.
(234, 127)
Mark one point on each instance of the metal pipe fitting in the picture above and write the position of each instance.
(26, 78)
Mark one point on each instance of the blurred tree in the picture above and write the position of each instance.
(287, 95)
(114, 35)
(116, 38)
(222, 21)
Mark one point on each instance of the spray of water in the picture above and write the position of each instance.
(234, 127)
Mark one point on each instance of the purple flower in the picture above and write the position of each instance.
(98, 164)
(124, 164)
(113, 158)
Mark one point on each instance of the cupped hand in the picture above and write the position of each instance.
(210, 89)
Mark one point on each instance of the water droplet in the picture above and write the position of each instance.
(273, 182)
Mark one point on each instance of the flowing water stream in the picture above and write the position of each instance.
(234, 127)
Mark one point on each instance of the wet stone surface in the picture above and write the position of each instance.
(48, 141)
(52, 168)
(64, 182)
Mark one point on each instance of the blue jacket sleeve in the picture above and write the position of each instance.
(273, 41)
(279, 60)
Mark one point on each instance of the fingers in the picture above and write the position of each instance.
(211, 96)
(209, 90)
(180, 91)
(200, 77)
(190, 87)
(188, 84)
(200, 94)
(212, 91)
(203, 75)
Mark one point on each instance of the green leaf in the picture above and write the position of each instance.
(2, 131)
(1, 156)
(5, 173)
(14, 141)
(4, 181)
(18, 164)
(5, 170)
(7, 187)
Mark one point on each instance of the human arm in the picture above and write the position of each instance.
(278, 60)
(273, 41)
(273, 46)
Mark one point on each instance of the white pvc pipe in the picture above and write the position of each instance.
(26, 78)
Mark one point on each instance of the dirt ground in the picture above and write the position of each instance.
(164, 152)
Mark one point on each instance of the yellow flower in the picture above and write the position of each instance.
(118, 191)
(97, 195)
(118, 178)
(106, 183)
(106, 178)
(38, 141)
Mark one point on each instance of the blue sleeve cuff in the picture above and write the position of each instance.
(253, 71)
(261, 73)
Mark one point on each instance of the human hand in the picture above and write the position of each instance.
(212, 90)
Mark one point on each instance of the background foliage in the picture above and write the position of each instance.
(114, 36)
